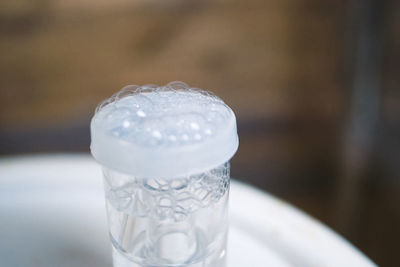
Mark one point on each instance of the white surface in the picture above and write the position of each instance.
(52, 214)
(163, 131)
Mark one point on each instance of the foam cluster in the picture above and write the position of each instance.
(162, 131)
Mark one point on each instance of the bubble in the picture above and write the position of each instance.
(172, 138)
(177, 85)
(141, 113)
(185, 137)
(126, 124)
(157, 134)
(195, 126)
(168, 115)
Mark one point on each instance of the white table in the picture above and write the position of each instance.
(52, 214)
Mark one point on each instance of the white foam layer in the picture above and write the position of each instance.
(166, 131)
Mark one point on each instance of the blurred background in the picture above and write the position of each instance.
(315, 86)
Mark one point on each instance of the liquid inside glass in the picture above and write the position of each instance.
(168, 222)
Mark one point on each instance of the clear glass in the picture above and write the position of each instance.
(168, 222)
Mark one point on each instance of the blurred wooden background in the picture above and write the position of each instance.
(285, 67)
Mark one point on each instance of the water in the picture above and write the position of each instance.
(168, 222)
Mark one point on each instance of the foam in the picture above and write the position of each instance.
(163, 131)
